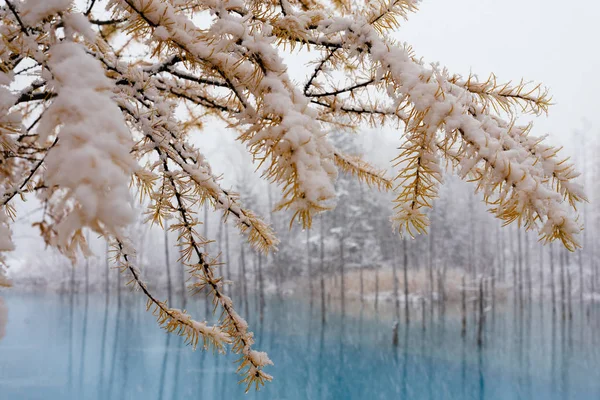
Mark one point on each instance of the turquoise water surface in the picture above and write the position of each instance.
(67, 348)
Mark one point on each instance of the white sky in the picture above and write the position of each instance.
(548, 41)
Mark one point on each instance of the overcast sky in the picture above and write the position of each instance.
(549, 41)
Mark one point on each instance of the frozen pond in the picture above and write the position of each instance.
(58, 348)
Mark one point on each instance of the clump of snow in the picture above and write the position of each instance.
(259, 358)
(161, 33)
(91, 161)
(80, 24)
(34, 11)
(200, 328)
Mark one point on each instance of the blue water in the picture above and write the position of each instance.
(55, 349)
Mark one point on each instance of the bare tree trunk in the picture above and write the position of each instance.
(309, 268)
(274, 255)
(207, 302)
(72, 311)
(431, 265)
(85, 317)
(569, 294)
(362, 276)
(119, 288)
(256, 284)
(464, 306)
(322, 268)
(423, 318)
(528, 265)
(586, 232)
(475, 310)
(261, 288)
(376, 288)
(87, 269)
(504, 265)
(552, 285)
(442, 289)
(514, 268)
(481, 314)
(562, 284)
(106, 275)
(227, 256)
(84, 335)
(395, 273)
(342, 285)
(243, 282)
(104, 331)
(593, 265)
(471, 239)
(169, 296)
(581, 284)
(405, 266)
(541, 274)
(499, 252)
(220, 243)
(594, 279)
(220, 239)
(493, 283)
(395, 334)
(520, 263)
(182, 281)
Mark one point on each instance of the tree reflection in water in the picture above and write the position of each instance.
(57, 348)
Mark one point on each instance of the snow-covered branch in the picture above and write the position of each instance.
(90, 104)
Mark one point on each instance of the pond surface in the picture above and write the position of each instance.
(58, 347)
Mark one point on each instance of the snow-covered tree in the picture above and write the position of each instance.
(100, 95)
